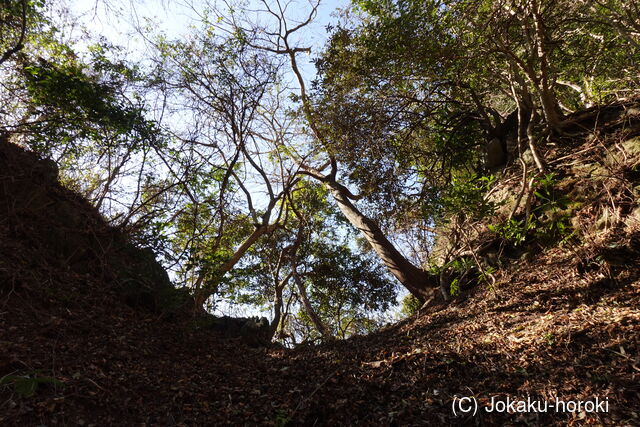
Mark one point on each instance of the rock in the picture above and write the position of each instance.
(527, 157)
(49, 170)
(627, 153)
(633, 219)
(494, 154)
(253, 331)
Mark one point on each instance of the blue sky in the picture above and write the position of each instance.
(116, 20)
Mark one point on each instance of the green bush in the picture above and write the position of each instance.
(27, 385)
(550, 218)
(513, 231)
(410, 305)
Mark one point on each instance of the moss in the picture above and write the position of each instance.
(632, 146)
(589, 170)
(604, 221)
(633, 219)
(628, 152)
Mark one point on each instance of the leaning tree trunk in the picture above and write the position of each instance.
(415, 279)
(202, 293)
(317, 322)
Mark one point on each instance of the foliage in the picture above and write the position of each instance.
(412, 91)
(548, 221)
(85, 111)
(18, 19)
(551, 210)
(513, 230)
(454, 287)
(410, 305)
(464, 196)
(73, 103)
(282, 418)
(27, 385)
(456, 270)
(485, 276)
(344, 287)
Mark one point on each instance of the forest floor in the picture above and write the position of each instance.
(564, 324)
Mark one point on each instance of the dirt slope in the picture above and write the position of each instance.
(74, 350)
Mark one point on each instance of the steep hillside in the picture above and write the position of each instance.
(91, 333)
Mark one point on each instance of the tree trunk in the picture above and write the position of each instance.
(202, 293)
(416, 280)
(317, 322)
(19, 45)
(526, 121)
(550, 105)
(277, 307)
(537, 158)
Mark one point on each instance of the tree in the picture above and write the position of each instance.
(279, 40)
(86, 112)
(226, 90)
(316, 285)
(421, 89)
(13, 27)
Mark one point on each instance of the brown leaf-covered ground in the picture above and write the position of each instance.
(563, 323)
